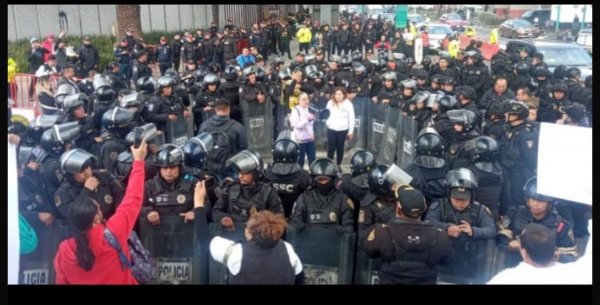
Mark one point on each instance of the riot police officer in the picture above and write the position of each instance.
(389, 93)
(285, 174)
(81, 181)
(499, 93)
(429, 167)
(75, 112)
(475, 73)
(132, 102)
(460, 213)
(162, 108)
(356, 186)
(540, 209)
(496, 127)
(254, 91)
(550, 108)
(124, 162)
(116, 123)
(205, 100)
(410, 249)
(466, 96)
(246, 195)
(171, 192)
(464, 130)
(378, 206)
(519, 155)
(521, 78)
(140, 67)
(489, 173)
(230, 90)
(323, 204)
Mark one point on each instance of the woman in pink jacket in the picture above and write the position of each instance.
(88, 258)
(302, 122)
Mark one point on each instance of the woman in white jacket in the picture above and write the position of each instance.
(340, 124)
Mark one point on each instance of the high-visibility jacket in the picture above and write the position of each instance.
(304, 35)
(453, 47)
(413, 30)
(12, 70)
(494, 36)
(470, 31)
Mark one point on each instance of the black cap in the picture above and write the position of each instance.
(460, 193)
(411, 201)
(575, 111)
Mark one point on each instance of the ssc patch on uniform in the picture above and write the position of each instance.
(180, 198)
(108, 199)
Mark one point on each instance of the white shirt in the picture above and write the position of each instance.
(341, 116)
(219, 247)
(526, 274)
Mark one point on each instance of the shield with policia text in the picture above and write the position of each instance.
(405, 152)
(217, 273)
(37, 267)
(360, 127)
(326, 255)
(177, 131)
(389, 143)
(173, 244)
(258, 122)
(376, 115)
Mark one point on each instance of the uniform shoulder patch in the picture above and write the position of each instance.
(371, 235)
(57, 200)
(350, 203)
(530, 144)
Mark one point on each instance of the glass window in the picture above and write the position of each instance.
(566, 56)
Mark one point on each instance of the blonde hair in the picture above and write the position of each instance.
(43, 84)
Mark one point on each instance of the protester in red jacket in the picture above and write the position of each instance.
(88, 258)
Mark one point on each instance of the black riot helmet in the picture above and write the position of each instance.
(485, 149)
(62, 92)
(464, 117)
(55, 138)
(261, 75)
(573, 73)
(560, 86)
(426, 62)
(285, 74)
(41, 124)
(230, 73)
(166, 81)
(530, 190)
(430, 148)
(169, 155)
(196, 148)
(429, 143)
(246, 161)
(448, 101)
(467, 91)
(148, 131)
(560, 72)
(522, 68)
(518, 108)
(117, 118)
(310, 71)
(362, 162)
(101, 81)
(359, 68)
(74, 101)
(285, 149)
(172, 73)
(541, 71)
(146, 84)
(76, 160)
(199, 74)
(588, 81)
(131, 100)
(105, 94)
(377, 183)
(462, 178)
(420, 97)
(409, 61)
(323, 167)
(357, 56)
(346, 62)
(211, 79)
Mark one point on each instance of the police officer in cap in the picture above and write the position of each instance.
(540, 209)
(171, 192)
(460, 216)
(409, 248)
(116, 123)
(285, 174)
(246, 195)
(322, 204)
(81, 181)
(519, 155)
(429, 167)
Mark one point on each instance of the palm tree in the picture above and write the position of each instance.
(128, 17)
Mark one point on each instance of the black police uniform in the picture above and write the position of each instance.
(204, 98)
(164, 55)
(410, 251)
(289, 180)
(159, 108)
(139, 70)
(491, 96)
(442, 214)
(334, 209)
(240, 202)
(490, 178)
(169, 198)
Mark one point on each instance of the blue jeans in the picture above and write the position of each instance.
(308, 149)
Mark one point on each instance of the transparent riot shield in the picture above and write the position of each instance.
(376, 123)
(366, 270)
(327, 256)
(359, 138)
(37, 268)
(258, 122)
(319, 127)
(473, 262)
(406, 143)
(177, 131)
(172, 243)
(217, 272)
(389, 142)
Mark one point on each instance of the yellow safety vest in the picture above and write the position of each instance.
(494, 36)
(453, 48)
(12, 70)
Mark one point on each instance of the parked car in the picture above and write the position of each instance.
(437, 32)
(539, 18)
(518, 28)
(555, 54)
(584, 39)
(454, 21)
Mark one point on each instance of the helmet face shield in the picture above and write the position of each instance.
(76, 160)
(245, 161)
(461, 178)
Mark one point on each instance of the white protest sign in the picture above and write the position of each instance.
(13, 217)
(565, 162)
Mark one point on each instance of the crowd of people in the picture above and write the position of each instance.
(474, 174)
